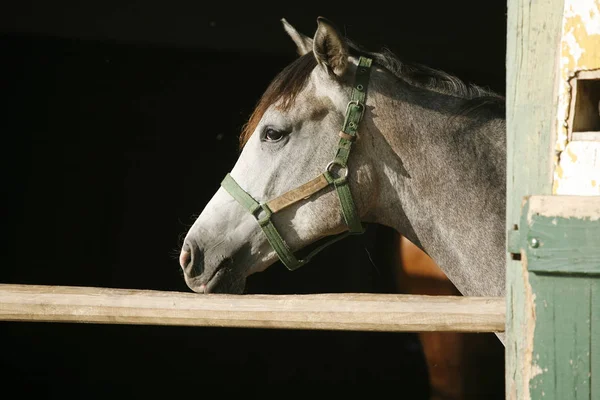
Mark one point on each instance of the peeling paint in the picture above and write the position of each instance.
(571, 154)
(578, 170)
(579, 51)
(530, 369)
(573, 47)
(589, 11)
(559, 171)
(535, 371)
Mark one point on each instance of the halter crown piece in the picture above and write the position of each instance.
(354, 114)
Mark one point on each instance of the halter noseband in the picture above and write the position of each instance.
(354, 114)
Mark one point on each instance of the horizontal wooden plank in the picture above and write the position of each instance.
(563, 234)
(590, 136)
(351, 311)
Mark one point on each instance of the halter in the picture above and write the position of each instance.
(354, 114)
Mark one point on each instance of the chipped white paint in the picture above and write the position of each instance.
(573, 46)
(588, 11)
(579, 51)
(579, 169)
(535, 371)
(581, 207)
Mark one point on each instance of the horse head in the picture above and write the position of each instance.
(294, 183)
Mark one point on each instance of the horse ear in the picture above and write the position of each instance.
(330, 48)
(304, 43)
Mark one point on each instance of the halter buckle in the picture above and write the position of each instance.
(359, 104)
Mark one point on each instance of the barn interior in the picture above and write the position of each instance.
(120, 119)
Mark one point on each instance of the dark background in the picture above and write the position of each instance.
(119, 120)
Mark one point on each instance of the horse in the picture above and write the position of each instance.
(344, 137)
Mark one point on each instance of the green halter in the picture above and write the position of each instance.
(354, 114)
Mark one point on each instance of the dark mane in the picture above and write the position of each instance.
(292, 79)
(477, 98)
(285, 87)
(424, 76)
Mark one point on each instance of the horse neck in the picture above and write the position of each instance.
(442, 181)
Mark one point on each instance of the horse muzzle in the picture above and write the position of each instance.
(219, 276)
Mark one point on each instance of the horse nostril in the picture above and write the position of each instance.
(191, 260)
(184, 258)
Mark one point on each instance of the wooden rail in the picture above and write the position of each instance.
(349, 311)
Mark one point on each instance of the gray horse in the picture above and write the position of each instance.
(428, 160)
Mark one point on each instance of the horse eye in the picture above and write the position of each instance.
(272, 135)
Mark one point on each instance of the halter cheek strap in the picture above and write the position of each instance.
(336, 174)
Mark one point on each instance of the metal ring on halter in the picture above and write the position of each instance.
(331, 164)
(266, 214)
